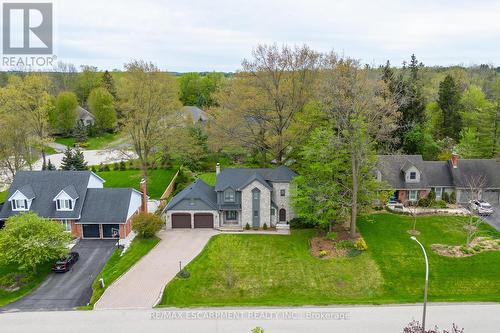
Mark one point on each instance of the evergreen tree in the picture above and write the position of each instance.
(50, 166)
(449, 102)
(80, 132)
(108, 83)
(67, 160)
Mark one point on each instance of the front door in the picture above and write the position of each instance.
(255, 208)
(282, 215)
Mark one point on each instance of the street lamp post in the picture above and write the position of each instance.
(426, 280)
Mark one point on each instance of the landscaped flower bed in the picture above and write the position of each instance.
(478, 245)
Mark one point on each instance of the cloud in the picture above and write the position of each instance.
(218, 34)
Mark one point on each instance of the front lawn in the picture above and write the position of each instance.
(279, 270)
(273, 270)
(158, 180)
(27, 282)
(117, 265)
(92, 143)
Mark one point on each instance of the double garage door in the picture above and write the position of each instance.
(201, 220)
(101, 230)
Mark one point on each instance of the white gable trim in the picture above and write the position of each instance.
(63, 196)
(134, 203)
(17, 196)
(95, 181)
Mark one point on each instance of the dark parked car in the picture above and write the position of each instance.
(64, 265)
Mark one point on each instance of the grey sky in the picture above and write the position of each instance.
(194, 35)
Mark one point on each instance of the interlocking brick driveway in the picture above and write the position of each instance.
(143, 284)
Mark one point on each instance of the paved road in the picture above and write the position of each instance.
(92, 157)
(473, 318)
(73, 288)
(143, 284)
(494, 220)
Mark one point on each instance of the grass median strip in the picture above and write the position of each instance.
(117, 265)
(16, 283)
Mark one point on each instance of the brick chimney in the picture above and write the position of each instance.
(454, 160)
(217, 168)
(144, 199)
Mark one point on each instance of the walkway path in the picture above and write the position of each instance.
(143, 284)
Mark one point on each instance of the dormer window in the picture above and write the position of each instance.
(22, 198)
(19, 204)
(65, 200)
(229, 195)
(413, 175)
(64, 204)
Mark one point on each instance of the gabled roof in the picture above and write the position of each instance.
(25, 190)
(46, 185)
(197, 190)
(237, 178)
(437, 173)
(82, 113)
(392, 168)
(489, 169)
(108, 205)
(70, 191)
(256, 176)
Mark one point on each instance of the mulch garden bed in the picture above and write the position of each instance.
(321, 243)
(478, 245)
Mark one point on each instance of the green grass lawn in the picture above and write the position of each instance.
(208, 178)
(30, 282)
(93, 143)
(118, 265)
(158, 180)
(278, 270)
(3, 196)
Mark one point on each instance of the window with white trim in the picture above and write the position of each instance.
(64, 204)
(413, 175)
(439, 192)
(412, 196)
(19, 204)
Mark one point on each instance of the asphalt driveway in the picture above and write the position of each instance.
(494, 220)
(66, 291)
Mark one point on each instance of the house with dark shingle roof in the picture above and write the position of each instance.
(413, 178)
(77, 199)
(240, 196)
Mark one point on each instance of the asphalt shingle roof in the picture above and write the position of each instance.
(488, 169)
(106, 205)
(237, 178)
(46, 185)
(197, 190)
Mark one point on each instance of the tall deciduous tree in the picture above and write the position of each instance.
(29, 240)
(360, 115)
(87, 80)
(101, 105)
(449, 102)
(65, 113)
(264, 99)
(151, 107)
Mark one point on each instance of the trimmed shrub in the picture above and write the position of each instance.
(301, 223)
(424, 202)
(353, 253)
(123, 166)
(247, 226)
(183, 274)
(146, 225)
(345, 244)
(361, 245)
(322, 253)
(264, 226)
(116, 166)
(332, 235)
(445, 197)
(439, 204)
(453, 198)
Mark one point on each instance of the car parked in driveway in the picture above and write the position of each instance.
(481, 207)
(64, 265)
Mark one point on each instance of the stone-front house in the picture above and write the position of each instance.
(413, 178)
(239, 197)
(78, 200)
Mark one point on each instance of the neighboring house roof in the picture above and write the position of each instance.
(437, 173)
(489, 169)
(237, 178)
(84, 114)
(391, 168)
(196, 113)
(197, 190)
(108, 205)
(46, 185)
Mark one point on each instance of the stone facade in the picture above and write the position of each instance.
(283, 202)
(265, 204)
